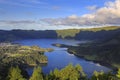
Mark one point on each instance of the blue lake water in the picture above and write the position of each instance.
(59, 58)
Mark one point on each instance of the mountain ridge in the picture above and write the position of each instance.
(77, 34)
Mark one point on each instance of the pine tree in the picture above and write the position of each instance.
(15, 74)
(118, 73)
(56, 73)
(37, 74)
(80, 70)
(96, 75)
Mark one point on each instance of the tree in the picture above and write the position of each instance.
(37, 74)
(95, 75)
(56, 73)
(68, 73)
(74, 75)
(80, 70)
(50, 76)
(118, 73)
(15, 74)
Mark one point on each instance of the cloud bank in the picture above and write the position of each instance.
(104, 16)
(107, 15)
(94, 7)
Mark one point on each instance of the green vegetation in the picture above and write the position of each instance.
(118, 73)
(102, 28)
(37, 74)
(15, 74)
(106, 52)
(78, 34)
(26, 55)
(12, 55)
(72, 32)
(103, 76)
(17, 55)
(69, 72)
(67, 33)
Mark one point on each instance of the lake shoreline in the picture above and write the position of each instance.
(83, 57)
(101, 63)
(60, 57)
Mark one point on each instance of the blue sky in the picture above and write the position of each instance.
(55, 14)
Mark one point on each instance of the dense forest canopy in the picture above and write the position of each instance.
(69, 72)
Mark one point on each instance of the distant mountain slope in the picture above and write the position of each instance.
(26, 34)
(78, 34)
(73, 32)
(104, 52)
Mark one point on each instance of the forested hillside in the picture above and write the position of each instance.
(78, 34)
(105, 52)
(22, 56)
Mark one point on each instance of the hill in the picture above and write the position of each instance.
(77, 34)
(106, 52)
(73, 32)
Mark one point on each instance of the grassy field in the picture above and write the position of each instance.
(72, 32)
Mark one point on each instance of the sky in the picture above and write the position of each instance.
(58, 14)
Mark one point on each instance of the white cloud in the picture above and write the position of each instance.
(94, 7)
(73, 17)
(23, 24)
(107, 15)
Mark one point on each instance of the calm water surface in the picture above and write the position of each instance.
(59, 58)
